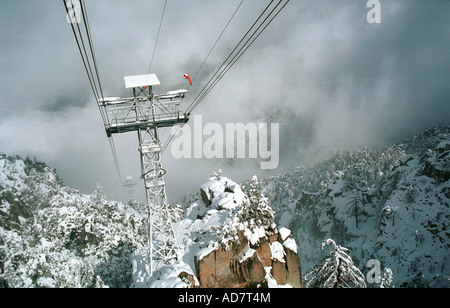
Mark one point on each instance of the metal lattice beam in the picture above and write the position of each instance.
(162, 244)
(145, 113)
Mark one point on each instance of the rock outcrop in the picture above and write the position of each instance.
(258, 254)
(229, 240)
(272, 260)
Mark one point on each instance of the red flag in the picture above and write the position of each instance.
(186, 76)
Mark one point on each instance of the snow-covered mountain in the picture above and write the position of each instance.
(228, 239)
(53, 236)
(391, 205)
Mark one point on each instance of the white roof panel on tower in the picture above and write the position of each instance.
(141, 81)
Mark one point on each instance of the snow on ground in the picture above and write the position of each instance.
(201, 232)
(385, 204)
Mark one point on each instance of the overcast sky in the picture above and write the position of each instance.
(330, 78)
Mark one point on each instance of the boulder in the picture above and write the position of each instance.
(246, 265)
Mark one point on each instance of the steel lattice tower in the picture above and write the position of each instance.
(146, 113)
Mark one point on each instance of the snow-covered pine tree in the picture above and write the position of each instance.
(386, 280)
(336, 270)
(97, 196)
(256, 211)
(354, 205)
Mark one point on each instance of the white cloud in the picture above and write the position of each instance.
(334, 79)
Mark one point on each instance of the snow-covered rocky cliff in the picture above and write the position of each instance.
(390, 205)
(228, 239)
(53, 236)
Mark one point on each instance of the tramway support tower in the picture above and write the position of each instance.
(145, 113)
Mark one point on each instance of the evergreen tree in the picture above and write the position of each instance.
(336, 270)
(256, 211)
(386, 280)
(97, 196)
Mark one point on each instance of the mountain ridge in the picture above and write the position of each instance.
(53, 236)
(390, 205)
(387, 204)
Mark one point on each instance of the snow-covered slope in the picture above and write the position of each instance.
(391, 205)
(227, 239)
(53, 236)
(388, 204)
